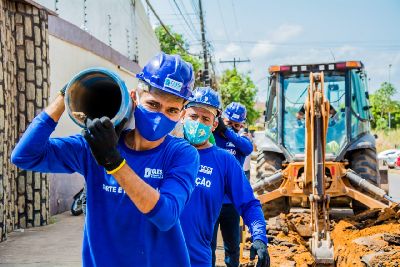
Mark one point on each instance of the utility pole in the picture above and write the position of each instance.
(234, 61)
(206, 74)
(389, 116)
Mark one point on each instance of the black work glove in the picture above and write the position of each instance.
(103, 139)
(259, 248)
(221, 128)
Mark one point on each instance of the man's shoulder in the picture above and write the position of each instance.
(180, 145)
(223, 153)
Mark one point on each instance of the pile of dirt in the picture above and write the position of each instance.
(287, 246)
(371, 238)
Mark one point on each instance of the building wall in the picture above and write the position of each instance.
(24, 91)
(121, 24)
(39, 53)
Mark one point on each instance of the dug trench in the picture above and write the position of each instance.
(371, 238)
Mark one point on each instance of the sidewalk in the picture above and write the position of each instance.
(56, 245)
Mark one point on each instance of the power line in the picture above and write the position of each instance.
(223, 21)
(173, 23)
(237, 24)
(190, 27)
(166, 28)
(190, 18)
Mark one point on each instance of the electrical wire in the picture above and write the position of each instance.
(166, 28)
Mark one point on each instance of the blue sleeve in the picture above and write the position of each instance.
(36, 151)
(177, 186)
(241, 142)
(238, 189)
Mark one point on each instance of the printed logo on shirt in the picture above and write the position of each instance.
(232, 151)
(205, 169)
(203, 182)
(153, 173)
(229, 144)
(113, 189)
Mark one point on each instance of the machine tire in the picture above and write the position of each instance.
(365, 164)
(267, 164)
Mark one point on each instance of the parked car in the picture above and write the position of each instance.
(397, 165)
(389, 157)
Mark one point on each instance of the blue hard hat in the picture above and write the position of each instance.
(205, 96)
(169, 73)
(235, 112)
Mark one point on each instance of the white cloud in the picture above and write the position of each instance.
(229, 51)
(286, 32)
(283, 33)
(262, 49)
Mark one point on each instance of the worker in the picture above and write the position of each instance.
(300, 115)
(137, 184)
(227, 137)
(247, 159)
(219, 174)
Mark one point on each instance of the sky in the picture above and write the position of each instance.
(292, 32)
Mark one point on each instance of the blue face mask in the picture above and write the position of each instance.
(195, 132)
(152, 125)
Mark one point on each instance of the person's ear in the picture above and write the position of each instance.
(215, 124)
(132, 94)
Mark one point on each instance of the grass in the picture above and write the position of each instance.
(387, 139)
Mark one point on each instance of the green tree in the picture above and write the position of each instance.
(383, 104)
(237, 87)
(170, 46)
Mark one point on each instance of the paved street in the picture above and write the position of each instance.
(59, 244)
(56, 245)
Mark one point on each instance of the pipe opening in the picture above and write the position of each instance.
(94, 95)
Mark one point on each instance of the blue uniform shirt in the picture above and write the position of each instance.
(237, 145)
(116, 233)
(234, 143)
(219, 174)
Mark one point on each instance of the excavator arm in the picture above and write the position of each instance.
(316, 124)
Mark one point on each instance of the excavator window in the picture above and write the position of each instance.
(295, 92)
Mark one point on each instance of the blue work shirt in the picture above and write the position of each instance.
(236, 144)
(116, 233)
(219, 174)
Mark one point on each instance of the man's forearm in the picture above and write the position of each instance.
(142, 195)
(56, 108)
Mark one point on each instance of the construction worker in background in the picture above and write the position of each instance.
(219, 174)
(227, 137)
(137, 185)
(247, 159)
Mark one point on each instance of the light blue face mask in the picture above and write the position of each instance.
(196, 132)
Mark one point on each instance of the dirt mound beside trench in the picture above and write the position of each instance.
(371, 238)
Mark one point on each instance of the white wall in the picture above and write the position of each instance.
(126, 16)
(66, 60)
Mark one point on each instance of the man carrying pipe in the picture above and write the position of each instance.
(220, 174)
(137, 184)
(227, 137)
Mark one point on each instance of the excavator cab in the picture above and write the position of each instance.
(346, 90)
